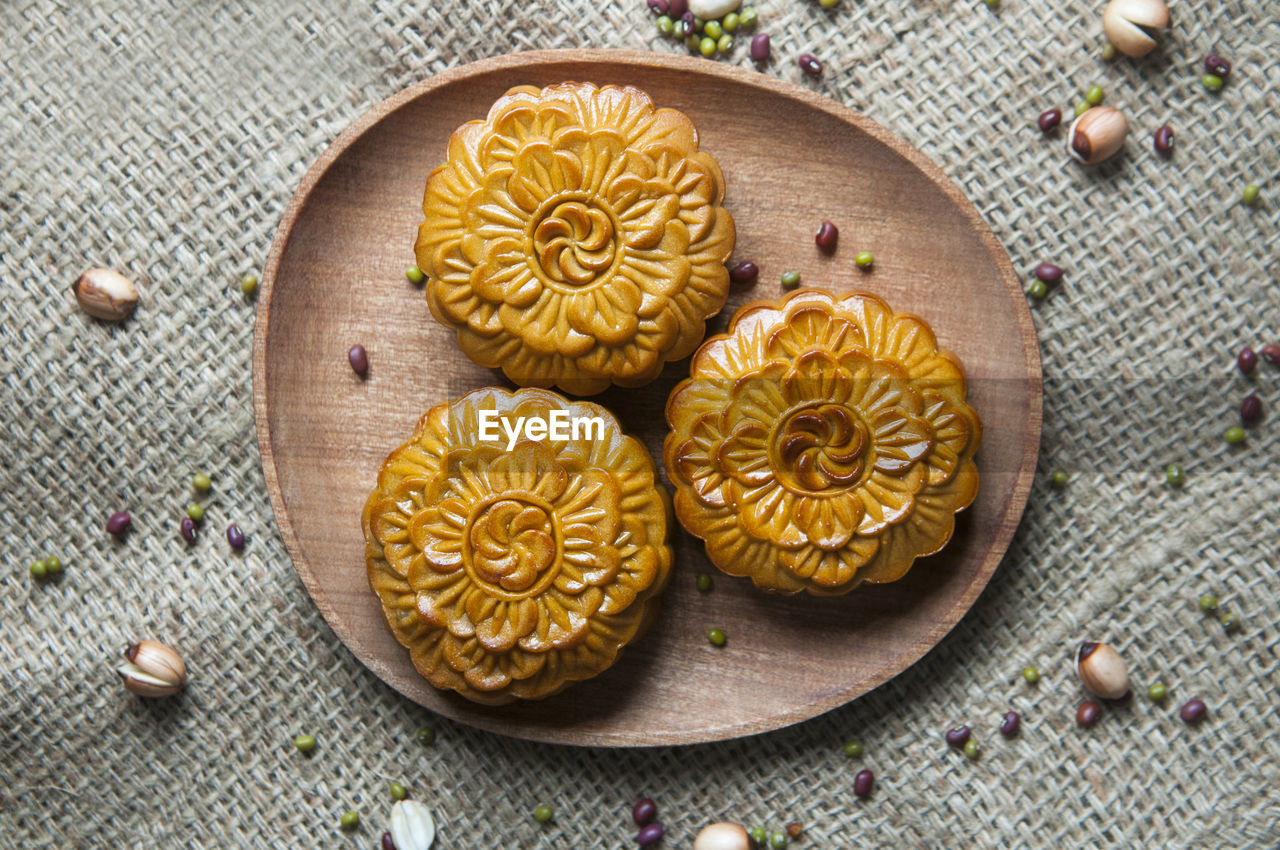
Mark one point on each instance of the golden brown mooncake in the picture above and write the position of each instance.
(575, 237)
(512, 573)
(824, 441)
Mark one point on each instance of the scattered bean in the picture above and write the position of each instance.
(644, 811)
(853, 749)
(543, 814)
(1163, 140)
(1230, 622)
(748, 17)
(388, 843)
(724, 43)
(249, 285)
(1250, 408)
(1246, 360)
(650, 834)
(972, 748)
(1208, 603)
(794, 830)
(809, 64)
(1193, 710)
(704, 582)
(744, 272)
(826, 237)
(958, 736)
(1108, 52)
(118, 523)
(758, 836)
(716, 637)
(196, 512)
(1212, 82)
(1049, 273)
(707, 47)
(398, 791)
(1174, 475)
(865, 260)
(359, 359)
(1088, 713)
(304, 743)
(413, 273)
(1157, 692)
(1234, 435)
(658, 7)
(1010, 724)
(201, 482)
(350, 820)
(1216, 65)
(1081, 107)
(188, 529)
(1094, 95)
(863, 782)
(1031, 675)
(760, 48)
(790, 279)
(1059, 478)
(1049, 120)
(713, 29)
(37, 569)
(1270, 353)
(730, 22)
(235, 537)
(777, 840)
(1249, 196)
(426, 735)
(1038, 289)
(677, 8)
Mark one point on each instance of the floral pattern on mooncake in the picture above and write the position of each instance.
(576, 237)
(514, 573)
(823, 442)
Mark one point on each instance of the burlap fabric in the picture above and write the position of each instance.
(165, 140)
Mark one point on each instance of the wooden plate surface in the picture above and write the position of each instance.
(791, 158)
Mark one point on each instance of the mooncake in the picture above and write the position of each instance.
(823, 442)
(512, 561)
(575, 237)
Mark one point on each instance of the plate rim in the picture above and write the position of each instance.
(1006, 526)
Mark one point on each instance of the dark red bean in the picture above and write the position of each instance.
(1011, 723)
(1088, 713)
(956, 737)
(1163, 141)
(863, 783)
(677, 8)
(359, 359)
(809, 64)
(651, 834)
(1250, 409)
(235, 536)
(1193, 710)
(744, 272)
(658, 7)
(794, 830)
(188, 528)
(387, 842)
(760, 48)
(826, 237)
(644, 811)
(1216, 65)
(1048, 272)
(1246, 360)
(1270, 353)
(1049, 119)
(118, 523)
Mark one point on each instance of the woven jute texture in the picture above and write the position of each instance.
(164, 139)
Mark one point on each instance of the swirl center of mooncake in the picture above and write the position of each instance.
(511, 545)
(574, 242)
(820, 448)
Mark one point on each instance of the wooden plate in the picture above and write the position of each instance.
(791, 158)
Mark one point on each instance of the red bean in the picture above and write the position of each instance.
(1088, 713)
(809, 64)
(658, 7)
(118, 523)
(1048, 272)
(1246, 360)
(1250, 408)
(188, 529)
(744, 272)
(1163, 141)
(956, 737)
(359, 359)
(863, 783)
(1011, 723)
(677, 8)
(1049, 119)
(387, 842)
(1193, 710)
(1216, 65)
(1270, 353)
(644, 811)
(760, 48)
(826, 237)
(235, 537)
(651, 834)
